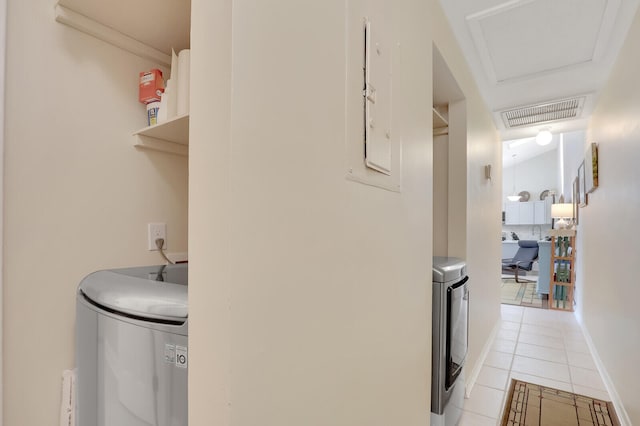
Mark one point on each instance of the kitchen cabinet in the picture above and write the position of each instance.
(512, 213)
(539, 215)
(527, 213)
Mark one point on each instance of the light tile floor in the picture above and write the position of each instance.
(538, 346)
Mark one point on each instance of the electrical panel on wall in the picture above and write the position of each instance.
(372, 136)
(377, 99)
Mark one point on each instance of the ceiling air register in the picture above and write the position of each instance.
(529, 115)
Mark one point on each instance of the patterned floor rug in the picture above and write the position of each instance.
(535, 405)
(522, 294)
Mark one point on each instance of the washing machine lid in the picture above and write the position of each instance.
(149, 292)
(446, 269)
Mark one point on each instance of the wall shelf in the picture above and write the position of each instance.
(562, 269)
(171, 136)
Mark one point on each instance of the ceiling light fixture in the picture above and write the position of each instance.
(544, 137)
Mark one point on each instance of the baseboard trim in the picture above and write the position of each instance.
(623, 416)
(471, 379)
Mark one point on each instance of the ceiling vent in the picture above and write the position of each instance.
(565, 109)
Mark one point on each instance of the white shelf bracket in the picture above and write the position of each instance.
(162, 145)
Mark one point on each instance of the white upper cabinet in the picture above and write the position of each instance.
(527, 213)
(541, 215)
(512, 213)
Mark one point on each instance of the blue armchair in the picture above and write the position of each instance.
(523, 259)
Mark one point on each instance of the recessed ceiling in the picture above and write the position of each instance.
(527, 52)
(526, 38)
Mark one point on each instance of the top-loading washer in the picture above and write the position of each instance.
(131, 347)
(450, 330)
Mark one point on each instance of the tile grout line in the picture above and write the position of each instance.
(510, 372)
(564, 343)
(567, 334)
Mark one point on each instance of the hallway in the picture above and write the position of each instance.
(538, 346)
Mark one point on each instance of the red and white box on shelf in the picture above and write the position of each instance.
(151, 86)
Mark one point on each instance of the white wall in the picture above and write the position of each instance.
(569, 159)
(310, 298)
(483, 203)
(608, 290)
(534, 175)
(77, 194)
(440, 195)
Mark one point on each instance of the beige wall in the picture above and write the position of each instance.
(77, 196)
(608, 290)
(440, 195)
(310, 297)
(483, 203)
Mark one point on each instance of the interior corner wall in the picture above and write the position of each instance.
(483, 196)
(608, 230)
(3, 40)
(77, 194)
(457, 179)
(305, 286)
(440, 195)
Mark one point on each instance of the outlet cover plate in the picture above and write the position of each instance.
(155, 231)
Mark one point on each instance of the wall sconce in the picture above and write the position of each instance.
(562, 211)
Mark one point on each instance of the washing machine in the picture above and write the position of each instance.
(131, 347)
(450, 330)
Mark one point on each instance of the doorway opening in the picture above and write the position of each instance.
(449, 162)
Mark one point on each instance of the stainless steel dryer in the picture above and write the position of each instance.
(131, 347)
(450, 339)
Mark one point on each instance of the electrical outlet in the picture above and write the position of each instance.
(155, 231)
